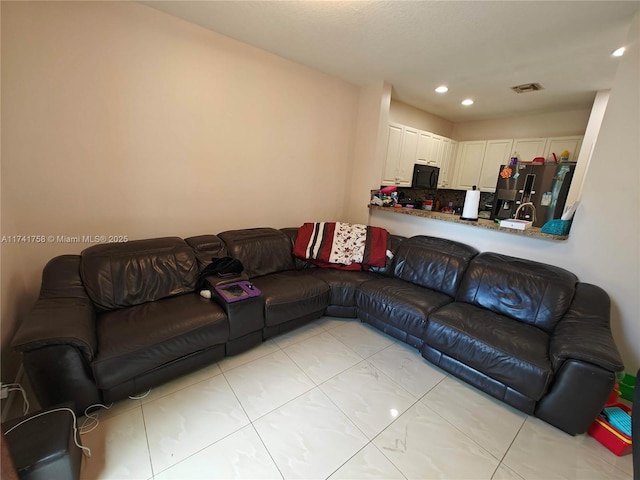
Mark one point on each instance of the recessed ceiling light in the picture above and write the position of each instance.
(467, 102)
(442, 89)
(619, 52)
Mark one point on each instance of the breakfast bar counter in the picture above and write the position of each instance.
(480, 223)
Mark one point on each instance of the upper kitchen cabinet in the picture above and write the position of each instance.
(431, 149)
(394, 147)
(498, 152)
(469, 164)
(425, 155)
(529, 148)
(559, 144)
(402, 145)
(478, 162)
(447, 164)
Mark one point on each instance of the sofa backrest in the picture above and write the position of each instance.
(261, 250)
(118, 275)
(292, 233)
(532, 292)
(207, 247)
(393, 242)
(434, 263)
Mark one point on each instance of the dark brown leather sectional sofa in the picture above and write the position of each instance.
(121, 318)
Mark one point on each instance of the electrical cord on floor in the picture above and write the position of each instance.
(85, 450)
(91, 420)
(141, 396)
(16, 387)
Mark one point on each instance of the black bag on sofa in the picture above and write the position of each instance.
(222, 267)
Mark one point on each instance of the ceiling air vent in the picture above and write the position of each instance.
(527, 87)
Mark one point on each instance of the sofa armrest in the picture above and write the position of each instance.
(584, 333)
(59, 321)
(63, 314)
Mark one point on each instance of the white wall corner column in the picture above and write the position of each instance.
(366, 168)
(588, 144)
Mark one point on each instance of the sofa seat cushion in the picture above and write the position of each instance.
(135, 340)
(291, 295)
(401, 304)
(504, 349)
(343, 284)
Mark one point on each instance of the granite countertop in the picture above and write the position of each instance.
(481, 223)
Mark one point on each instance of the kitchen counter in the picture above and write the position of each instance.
(481, 223)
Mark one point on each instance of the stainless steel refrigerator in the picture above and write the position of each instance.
(545, 186)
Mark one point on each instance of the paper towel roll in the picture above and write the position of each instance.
(471, 202)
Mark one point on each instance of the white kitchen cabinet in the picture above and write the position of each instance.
(407, 157)
(558, 144)
(407, 146)
(394, 148)
(447, 164)
(425, 148)
(402, 144)
(498, 152)
(529, 148)
(469, 164)
(437, 150)
(430, 149)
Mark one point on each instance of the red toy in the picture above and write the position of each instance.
(609, 436)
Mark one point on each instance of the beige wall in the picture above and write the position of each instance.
(118, 119)
(556, 124)
(414, 117)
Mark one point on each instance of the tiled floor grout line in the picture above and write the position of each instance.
(213, 443)
(146, 437)
(508, 448)
(278, 407)
(267, 450)
(251, 422)
(383, 430)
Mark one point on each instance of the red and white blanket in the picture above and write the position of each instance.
(342, 245)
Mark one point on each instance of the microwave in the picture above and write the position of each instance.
(425, 176)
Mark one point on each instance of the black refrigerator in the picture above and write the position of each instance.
(545, 186)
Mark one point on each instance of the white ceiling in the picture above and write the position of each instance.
(478, 48)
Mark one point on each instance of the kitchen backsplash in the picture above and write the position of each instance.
(444, 196)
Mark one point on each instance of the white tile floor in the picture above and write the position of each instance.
(335, 399)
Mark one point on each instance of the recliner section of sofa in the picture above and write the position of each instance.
(500, 322)
(119, 319)
(498, 336)
(425, 275)
(129, 312)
